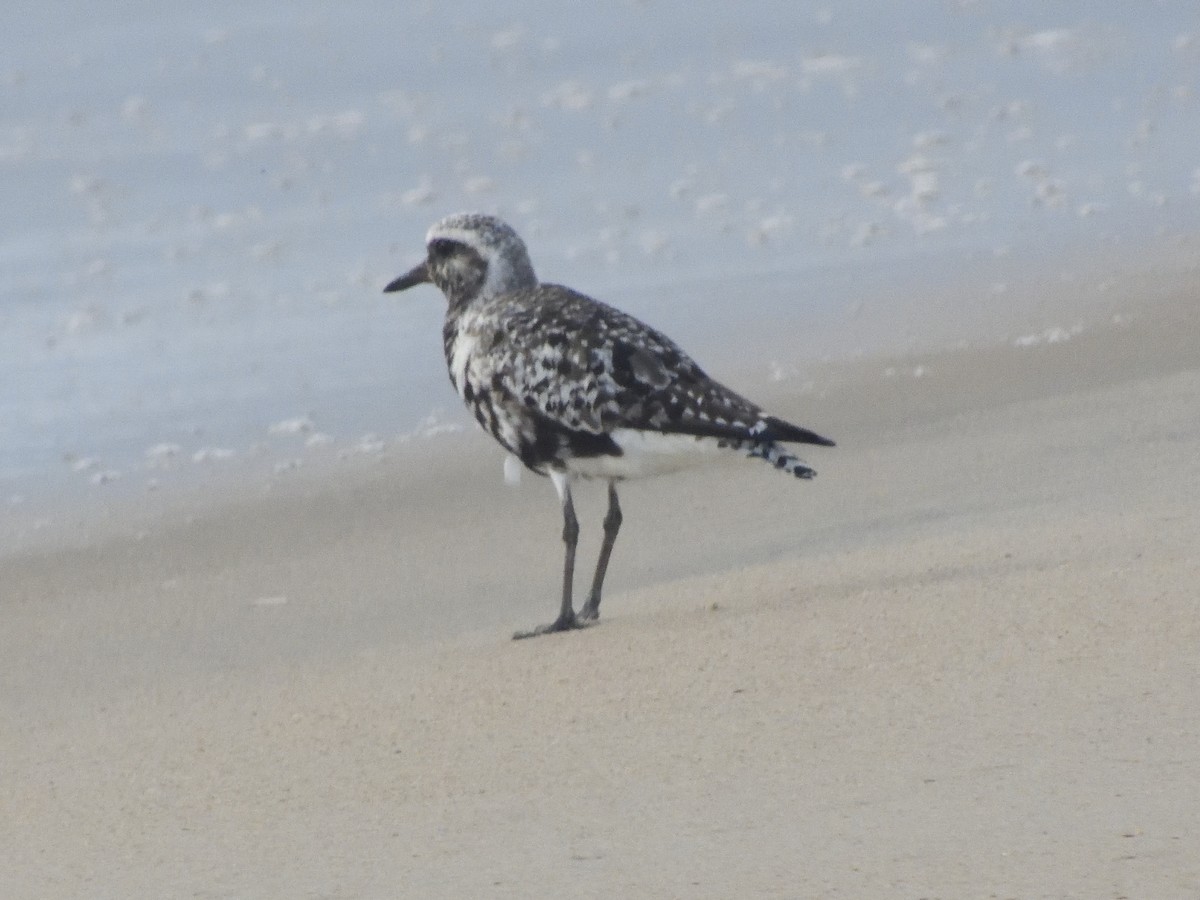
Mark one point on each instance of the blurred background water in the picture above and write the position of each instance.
(202, 201)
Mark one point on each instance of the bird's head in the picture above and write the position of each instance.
(471, 255)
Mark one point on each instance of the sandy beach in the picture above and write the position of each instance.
(961, 663)
(259, 571)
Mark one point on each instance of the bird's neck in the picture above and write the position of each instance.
(458, 303)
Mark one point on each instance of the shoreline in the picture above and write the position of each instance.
(1022, 357)
(907, 333)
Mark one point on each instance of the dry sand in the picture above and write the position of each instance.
(965, 662)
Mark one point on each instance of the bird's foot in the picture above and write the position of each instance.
(590, 612)
(559, 624)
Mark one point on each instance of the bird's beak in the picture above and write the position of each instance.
(418, 274)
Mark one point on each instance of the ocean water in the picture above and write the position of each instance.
(202, 202)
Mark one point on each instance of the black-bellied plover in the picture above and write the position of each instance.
(577, 389)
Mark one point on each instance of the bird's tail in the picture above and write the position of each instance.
(776, 429)
(781, 459)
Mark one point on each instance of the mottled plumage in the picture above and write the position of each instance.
(576, 388)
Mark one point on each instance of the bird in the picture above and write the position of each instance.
(577, 389)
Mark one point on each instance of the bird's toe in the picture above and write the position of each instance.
(560, 624)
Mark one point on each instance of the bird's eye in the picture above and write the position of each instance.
(441, 248)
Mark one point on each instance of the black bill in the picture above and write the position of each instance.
(419, 274)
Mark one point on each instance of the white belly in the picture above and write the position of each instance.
(647, 453)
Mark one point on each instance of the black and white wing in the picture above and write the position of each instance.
(581, 377)
(590, 367)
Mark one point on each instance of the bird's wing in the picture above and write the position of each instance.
(589, 367)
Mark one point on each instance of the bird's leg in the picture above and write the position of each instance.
(570, 534)
(612, 524)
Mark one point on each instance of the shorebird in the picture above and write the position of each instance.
(575, 388)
